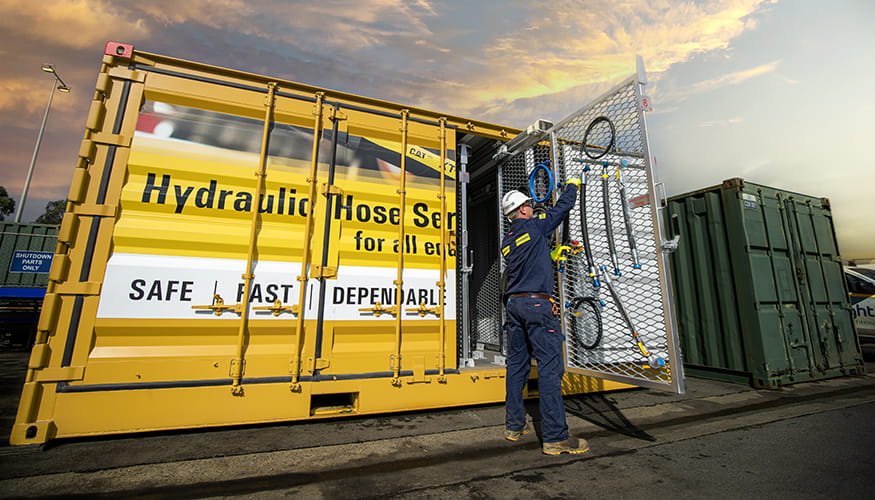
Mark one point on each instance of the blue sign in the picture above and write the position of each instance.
(26, 261)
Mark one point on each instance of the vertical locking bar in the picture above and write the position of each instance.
(462, 252)
(796, 251)
(326, 234)
(399, 282)
(442, 280)
(305, 256)
(237, 363)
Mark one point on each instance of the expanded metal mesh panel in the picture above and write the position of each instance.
(611, 287)
(486, 317)
(618, 267)
(515, 174)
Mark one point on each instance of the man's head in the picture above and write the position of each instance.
(516, 205)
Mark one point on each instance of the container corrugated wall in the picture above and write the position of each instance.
(26, 252)
(758, 286)
(24, 238)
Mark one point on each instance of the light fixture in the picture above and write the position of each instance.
(60, 86)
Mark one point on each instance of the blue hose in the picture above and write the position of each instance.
(549, 182)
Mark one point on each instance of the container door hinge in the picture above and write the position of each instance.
(60, 374)
(336, 115)
(39, 357)
(109, 139)
(331, 189)
(671, 246)
(96, 113)
(123, 73)
(78, 288)
(318, 364)
(94, 210)
(324, 272)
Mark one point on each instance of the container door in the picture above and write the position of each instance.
(263, 237)
(612, 283)
(387, 301)
(238, 249)
(831, 345)
(302, 213)
(213, 251)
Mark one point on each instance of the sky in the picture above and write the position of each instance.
(778, 92)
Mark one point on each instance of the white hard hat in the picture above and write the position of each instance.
(511, 201)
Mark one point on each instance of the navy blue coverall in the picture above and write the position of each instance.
(533, 327)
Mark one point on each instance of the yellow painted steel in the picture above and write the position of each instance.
(399, 281)
(79, 414)
(74, 283)
(442, 283)
(164, 87)
(312, 180)
(143, 209)
(238, 363)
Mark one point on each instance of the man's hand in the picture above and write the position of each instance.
(575, 181)
(558, 253)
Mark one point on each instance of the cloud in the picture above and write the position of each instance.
(212, 13)
(509, 63)
(733, 78)
(670, 93)
(27, 96)
(722, 123)
(552, 47)
(601, 37)
(68, 23)
(333, 25)
(567, 44)
(12, 91)
(432, 46)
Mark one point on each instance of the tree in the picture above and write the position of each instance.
(54, 212)
(7, 204)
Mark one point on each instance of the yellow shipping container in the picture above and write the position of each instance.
(240, 249)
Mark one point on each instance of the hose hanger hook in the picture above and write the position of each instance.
(596, 125)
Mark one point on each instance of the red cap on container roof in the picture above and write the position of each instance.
(119, 50)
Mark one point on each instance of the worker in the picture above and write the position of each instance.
(532, 320)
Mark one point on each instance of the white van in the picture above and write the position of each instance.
(861, 286)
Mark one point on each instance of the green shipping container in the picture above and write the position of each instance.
(758, 284)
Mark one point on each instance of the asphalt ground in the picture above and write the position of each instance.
(814, 439)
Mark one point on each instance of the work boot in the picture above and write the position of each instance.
(515, 435)
(571, 445)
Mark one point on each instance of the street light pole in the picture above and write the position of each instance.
(58, 84)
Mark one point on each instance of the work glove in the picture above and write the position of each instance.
(558, 253)
(575, 181)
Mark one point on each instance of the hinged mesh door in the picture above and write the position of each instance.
(613, 287)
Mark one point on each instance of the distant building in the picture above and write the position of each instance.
(26, 252)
